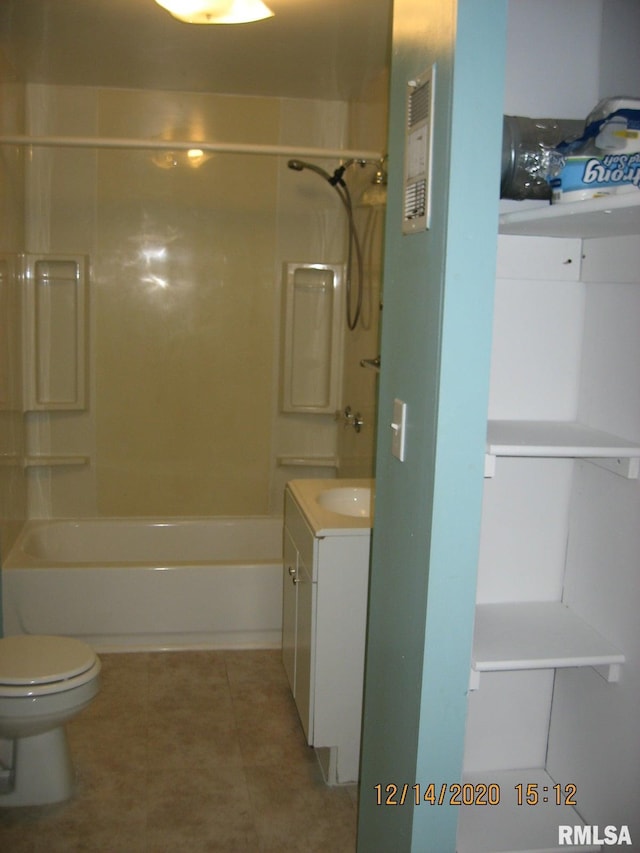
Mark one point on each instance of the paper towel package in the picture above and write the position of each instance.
(606, 159)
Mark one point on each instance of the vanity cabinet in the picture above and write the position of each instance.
(325, 583)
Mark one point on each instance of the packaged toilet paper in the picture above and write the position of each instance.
(605, 160)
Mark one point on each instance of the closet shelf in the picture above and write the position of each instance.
(512, 827)
(538, 635)
(556, 439)
(610, 216)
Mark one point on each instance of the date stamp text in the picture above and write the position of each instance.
(474, 794)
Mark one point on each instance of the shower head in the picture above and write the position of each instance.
(339, 185)
(301, 165)
(335, 179)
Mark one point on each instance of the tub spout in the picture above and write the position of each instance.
(372, 363)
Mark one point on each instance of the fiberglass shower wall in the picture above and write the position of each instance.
(184, 299)
(12, 159)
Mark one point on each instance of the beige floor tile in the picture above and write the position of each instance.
(295, 807)
(263, 665)
(206, 806)
(190, 752)
(181, 670)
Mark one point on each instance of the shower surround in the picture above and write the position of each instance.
(184, 299)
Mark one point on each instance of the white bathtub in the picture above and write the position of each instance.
(133, 584)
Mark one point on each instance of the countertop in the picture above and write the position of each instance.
(324, 522)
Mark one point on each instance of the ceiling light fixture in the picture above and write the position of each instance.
(216, 11)
(172, 159)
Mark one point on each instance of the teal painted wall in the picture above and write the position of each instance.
(436, 334)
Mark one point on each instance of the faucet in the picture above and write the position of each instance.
(373, 363)
(350, 419)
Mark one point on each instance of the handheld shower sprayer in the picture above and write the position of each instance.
(337, 182)
(301, 165)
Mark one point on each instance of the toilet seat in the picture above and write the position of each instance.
(39, 665)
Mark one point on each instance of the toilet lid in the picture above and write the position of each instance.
(26, 659)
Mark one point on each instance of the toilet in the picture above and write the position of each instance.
(44, 682)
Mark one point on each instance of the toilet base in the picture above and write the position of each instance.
(41, 772)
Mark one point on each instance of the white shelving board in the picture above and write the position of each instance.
(609, 216)
(538, 635)
(559, 439)
(512, 828)
(556, 439)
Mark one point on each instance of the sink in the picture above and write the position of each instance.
(347, 500)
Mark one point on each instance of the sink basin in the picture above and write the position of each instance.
(348, 500)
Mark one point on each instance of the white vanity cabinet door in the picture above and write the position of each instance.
(305, 651)
(298, 616)
(289, 608)
(298, 627)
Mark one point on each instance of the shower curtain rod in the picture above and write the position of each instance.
(176, 145)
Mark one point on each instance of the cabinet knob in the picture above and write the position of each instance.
(292, 571)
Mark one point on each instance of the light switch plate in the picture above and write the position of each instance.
(398, 425)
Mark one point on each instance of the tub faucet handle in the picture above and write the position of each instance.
(348, 418)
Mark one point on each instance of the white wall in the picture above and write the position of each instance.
(546, 76)
(595, 732)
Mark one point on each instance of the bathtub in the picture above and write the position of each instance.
(138, 584)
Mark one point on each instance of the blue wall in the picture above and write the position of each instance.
(436, 333)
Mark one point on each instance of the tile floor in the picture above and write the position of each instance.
(187, 752)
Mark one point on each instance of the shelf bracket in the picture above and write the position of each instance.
(474, 678)
(489, 465)
(625, 466)
(610, 672)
